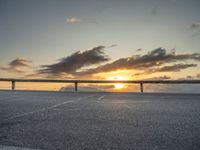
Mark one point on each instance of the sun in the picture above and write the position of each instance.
(118, 86)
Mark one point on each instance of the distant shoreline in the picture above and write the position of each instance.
(87, 92)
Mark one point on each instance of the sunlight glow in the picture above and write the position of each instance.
(118, 86)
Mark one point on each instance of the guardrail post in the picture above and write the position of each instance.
(141, 87)
(76, 86)
(13, 85)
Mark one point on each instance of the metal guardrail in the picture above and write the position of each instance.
(76, 82)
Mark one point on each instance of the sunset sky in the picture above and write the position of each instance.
(100, 39)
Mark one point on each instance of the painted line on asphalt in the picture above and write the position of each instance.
(2, 147)
(101, 97)
(49, 108)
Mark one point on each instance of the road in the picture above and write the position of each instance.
(99, 121)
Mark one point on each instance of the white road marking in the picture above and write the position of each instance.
(72, 109)
(2, 147)
(101, 97)
(49, 108)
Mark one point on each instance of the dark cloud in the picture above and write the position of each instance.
(195, 26)
(113, 45)
(158, 60)
(139, 50)
(172, 68)
(73, 63)
(198, 75)
(155, 58)
(160, 78)
(13, 70)
(189, 77)
(17, 65)
(19, 62)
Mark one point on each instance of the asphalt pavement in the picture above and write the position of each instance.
(99, 121)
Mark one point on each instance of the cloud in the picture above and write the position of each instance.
(19, 62)
(198, 75)
(139, 50)
(13, 70)
(113, 45)
(154, 58)
(17, 65)
(73, 20)
(195, 26)
(160, 78)
(190, 77)
(86, 63)
(172, 68)
(73, 63)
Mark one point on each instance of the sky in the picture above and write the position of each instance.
(107, 39)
